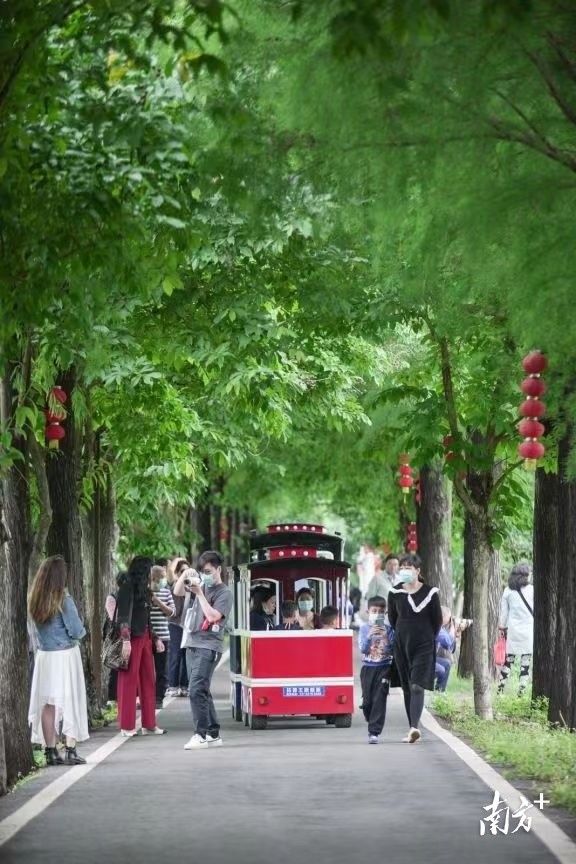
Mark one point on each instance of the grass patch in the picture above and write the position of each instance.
(39, 758)
(520, 738)
(107, 716)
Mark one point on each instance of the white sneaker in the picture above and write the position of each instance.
(155, 731)
(414, 735)
(182, 692)
(128, 733)
(214, 740)
(196, 742)
(172, 691)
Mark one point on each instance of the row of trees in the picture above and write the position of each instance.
(266, 249)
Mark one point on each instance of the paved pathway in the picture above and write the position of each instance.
(295, 792)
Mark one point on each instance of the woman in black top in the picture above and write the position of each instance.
(415, 613)
(263, 609)
(133, 598)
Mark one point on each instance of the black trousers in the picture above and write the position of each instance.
(160, 663)
(374, 697)
(201, 664)
(177, 674)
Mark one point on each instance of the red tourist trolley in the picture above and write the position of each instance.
(283, 673)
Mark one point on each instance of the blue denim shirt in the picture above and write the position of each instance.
(63, 630)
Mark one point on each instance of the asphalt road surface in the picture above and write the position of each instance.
(298, 791)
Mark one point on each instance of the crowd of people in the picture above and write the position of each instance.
(172, 621)
(410, 640)
(294, 614)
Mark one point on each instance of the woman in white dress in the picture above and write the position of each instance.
(517, 624)
(58, 693)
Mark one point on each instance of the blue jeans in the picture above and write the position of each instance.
(177, 675)
(201, 663)
(443, 666)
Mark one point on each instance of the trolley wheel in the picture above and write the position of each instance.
(330, 719)
(342, 721)
(257, 721)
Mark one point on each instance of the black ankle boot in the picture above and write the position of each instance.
(52, 756)
(72, 757)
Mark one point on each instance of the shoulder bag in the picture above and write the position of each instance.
(525, 601)
(112, 644)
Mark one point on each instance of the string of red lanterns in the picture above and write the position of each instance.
(412, 538)
(532, 409)
(55, 414)
(405, 480)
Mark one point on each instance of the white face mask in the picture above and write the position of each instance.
(405, 575)
(376, 618)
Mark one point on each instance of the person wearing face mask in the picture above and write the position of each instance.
(207, 605)
(262, 616)
(162, 609)
(307, 618)
(376, 641)
(415, 613)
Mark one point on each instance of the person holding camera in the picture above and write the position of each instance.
(177, 674)
(206, 608)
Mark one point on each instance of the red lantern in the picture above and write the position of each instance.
(54, 414)
(531, 429)
(412, 537)
(51, 417)
(534, 363)
(531, 449)
(405, 481)
(532, 408)
(534, 387)
(54, 434)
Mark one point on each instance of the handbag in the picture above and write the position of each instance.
(499, 651)
(112, 644)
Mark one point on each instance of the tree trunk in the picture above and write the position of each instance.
(99, 542)
(3, 772)
(465, 661)
(494, 595)
(14, 558)
(38, 461)
(64, 472)
(546, 575)
(562, 706)
(200, 530)
(234, 520)
(481, 563)
(215, 514)
(434, 524)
